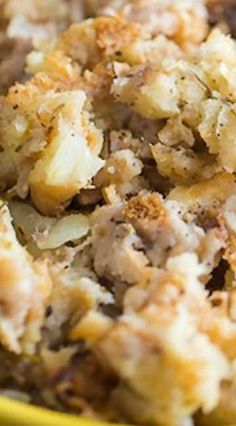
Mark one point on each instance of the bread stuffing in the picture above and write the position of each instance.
(118, 209)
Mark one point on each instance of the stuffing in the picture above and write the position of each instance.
(184, 21)
(92, 327)
(118, 219)
(175, 26)
(205, 109)
(147, 232)
(182, 165)
(208, 195)
(39, 20)
(225, 411)
(166, 233)
(103, 39)
(124, 140)
(71, 158)
(60, 152)
(82, 298)
(217, 126)
(116, 247)
(149, 334)
(120, 169)
(218, 60)
(24, 280)
(137, 91)
(84, 385)
(27, 24)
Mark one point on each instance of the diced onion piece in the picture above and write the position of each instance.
(69, 228)
(47, 232)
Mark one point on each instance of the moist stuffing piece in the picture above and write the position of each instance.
(28, 23)
(118, 218)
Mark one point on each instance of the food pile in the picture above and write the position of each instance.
(118, 210)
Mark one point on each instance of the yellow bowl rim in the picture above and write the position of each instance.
(12, 413)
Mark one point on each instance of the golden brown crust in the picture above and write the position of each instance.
(146, 207)
(183, 21)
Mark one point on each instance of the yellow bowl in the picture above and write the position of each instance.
(14, 413)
